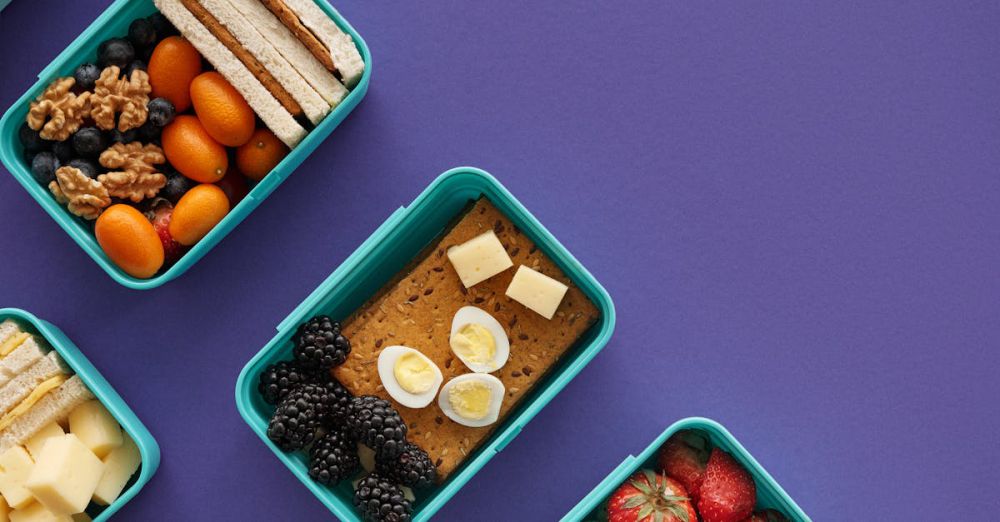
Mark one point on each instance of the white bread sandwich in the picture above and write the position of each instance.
(19, 350)
(41, 408)
(331, 46)
(49, 368)
(292, 50)
(277, 118)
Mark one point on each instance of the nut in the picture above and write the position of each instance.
(127, 96)
(136, 177)
(64, 110)
(83, 196)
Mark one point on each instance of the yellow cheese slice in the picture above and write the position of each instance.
(11, 344)
(29, 401)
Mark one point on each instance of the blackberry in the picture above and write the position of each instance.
(142, 33)
(161, 111)
(43, 167)
(279, 379)
(334, 457)
(298, 416)
(319, 344)
(412, 467)
(86, 76)
(339, 400)
(31, 140)
(376, 424)
(115, 51)
(381, 500)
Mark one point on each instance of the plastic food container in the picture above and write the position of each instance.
(769, 493)
(390, 249)
(114, 22)
(148, 449)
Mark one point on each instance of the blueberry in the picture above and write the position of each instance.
(115, 51)
(85, 166)
(177, 185)
(141, 33)
(162, 26)
(148, 133)
(86, 76)
(135, 65)
(161, 111)
(89, 142)
(128, 136)
(31, 140)
(43, 167)
(63, 150)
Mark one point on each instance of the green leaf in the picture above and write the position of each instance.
(645, 512)
(659, 517)
(634, 502)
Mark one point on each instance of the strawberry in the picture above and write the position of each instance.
(648, 496)
(683, 458)
(768, 515)
(728, 493)
(160, 215)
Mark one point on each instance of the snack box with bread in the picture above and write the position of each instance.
(166, 122)
(425, 353)
(695, 470)
(70, 448)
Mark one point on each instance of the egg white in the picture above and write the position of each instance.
(472, 315)
(497, 393)
(387, 362)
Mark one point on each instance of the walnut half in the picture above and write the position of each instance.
(57, 112)
(128, 96)
(136, 177)
(84, 196)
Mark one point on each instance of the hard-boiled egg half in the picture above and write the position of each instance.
(472, 399)
(479, 340)
(409, 376)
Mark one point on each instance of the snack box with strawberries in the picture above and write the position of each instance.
(695, 470)
(435, 300)
(69, 445)
(166, 122)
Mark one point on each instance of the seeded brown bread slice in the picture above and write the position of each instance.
(416, 310)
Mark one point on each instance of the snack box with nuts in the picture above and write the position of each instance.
(770, 495)
(86, 144)
(104, 437)
(400, 246)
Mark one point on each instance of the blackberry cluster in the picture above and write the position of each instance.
(319, 344)
(279, 379)
(298, 417)
(375, 423)
(412, 467)
(334, 457)
(339, 400)
(380, 500)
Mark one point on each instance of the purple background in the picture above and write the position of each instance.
(795, 207)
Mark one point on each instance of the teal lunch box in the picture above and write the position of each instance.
(148, 449)
(114, 22)
(390, 249)
(769, 493)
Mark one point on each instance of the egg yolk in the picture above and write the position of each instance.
(474, 343)
(413, 373)
(470, 399)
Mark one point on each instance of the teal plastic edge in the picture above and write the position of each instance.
(149, 450)
(12, 159)
(245, 385)
(721, 437)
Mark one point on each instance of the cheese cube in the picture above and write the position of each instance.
(65, 475)
(95, 427)
(15, 466)
(537, 291)
(37, 513)
(35, 443)
(119, 466)
(479, 259)
(4, 510)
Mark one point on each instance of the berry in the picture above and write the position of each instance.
(161, 111)
(728, 493)
(683, 458)
(148, 133)
(161, 25)
(376, 424)
(279, 379)
(134, 65)
(319, 344)
(412, 467)
(85, 166)
(648, 496)
(339, 400)
(768, 515)
(128, 136)
(297, 418)
(86, 76)
(177, 185)
(334, 457)
(31, 140)
(115, 51)
(43, 167)
(142, 33)
(160, 216)
(63, 150)
(381, 500)
(89, 142)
